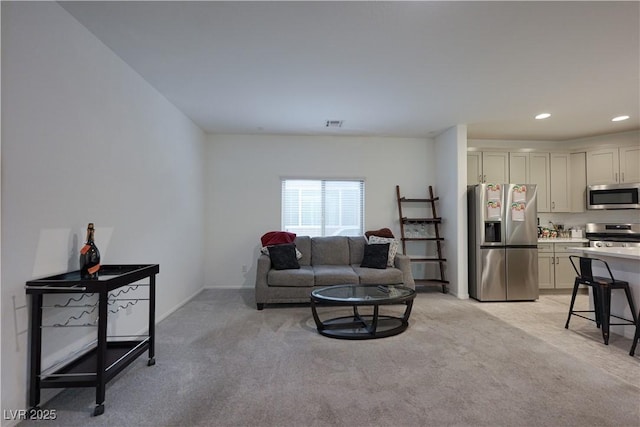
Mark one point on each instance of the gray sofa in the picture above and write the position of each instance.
(325, 261)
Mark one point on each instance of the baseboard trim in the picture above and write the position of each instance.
(563, 291)
(177, 306)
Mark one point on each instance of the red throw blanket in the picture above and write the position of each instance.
(277, 238)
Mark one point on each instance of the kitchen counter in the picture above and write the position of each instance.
(563, 240)
(628, 253)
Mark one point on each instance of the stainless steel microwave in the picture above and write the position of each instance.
(613, 196)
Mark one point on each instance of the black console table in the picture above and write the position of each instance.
(97, 366)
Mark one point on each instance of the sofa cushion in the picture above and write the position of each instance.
(302, 277)
(283, 257)
(356, 249)
(374, 276)
(329, 275)
(331, 250)
(375, 256)
(303, 244)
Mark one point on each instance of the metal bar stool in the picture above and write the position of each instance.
(601, 287)
(636, 337)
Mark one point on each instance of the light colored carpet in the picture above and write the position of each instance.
(220, 362)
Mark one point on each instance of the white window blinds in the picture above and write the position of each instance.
(323, 207)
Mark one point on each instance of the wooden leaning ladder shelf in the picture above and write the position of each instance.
(433, 222)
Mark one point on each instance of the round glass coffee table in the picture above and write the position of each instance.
(362, 326)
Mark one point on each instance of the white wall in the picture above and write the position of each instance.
(451, 152)
(243, 188)
(1, 173)
(86, 139)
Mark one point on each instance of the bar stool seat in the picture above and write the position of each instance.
(601, 290)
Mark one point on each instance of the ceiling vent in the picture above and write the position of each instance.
(334, 123)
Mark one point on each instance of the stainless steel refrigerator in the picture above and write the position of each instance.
(503, 238)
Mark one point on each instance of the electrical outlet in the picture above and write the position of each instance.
(244, 268)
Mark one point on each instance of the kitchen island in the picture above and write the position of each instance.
(625, 265)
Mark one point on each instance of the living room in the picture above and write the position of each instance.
(85, 138)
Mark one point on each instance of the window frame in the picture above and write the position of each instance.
(322, 224)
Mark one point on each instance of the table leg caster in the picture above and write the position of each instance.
(98, 410)
(151, 361)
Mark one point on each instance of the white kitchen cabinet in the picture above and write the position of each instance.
(519, 168)
(487, 166)
(578, 185)
(602, 166)
(560, 167)
(495, 167)
(564, 273)
(532, 168)
(546, 273)
(554, 266)
(629, 164)
(613, 165)
(474, 167)
(541, 176)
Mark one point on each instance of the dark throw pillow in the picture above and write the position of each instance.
(283, 257)
(375, 256)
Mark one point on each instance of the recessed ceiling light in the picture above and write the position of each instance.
(543, 116)
(619, 118)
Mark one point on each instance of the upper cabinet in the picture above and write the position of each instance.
(487, 166)
(495, 167)
(630, 164)
(519, 168)
(532, 168)
(603, 166)
(474, 167)
(578, 184)
(613, 165)
(560, 182)
(560, 178)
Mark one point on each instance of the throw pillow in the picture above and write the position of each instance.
(393, 247)
(265, 250)
(375, 256)
(283, 257)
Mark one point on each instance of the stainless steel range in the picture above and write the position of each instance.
(613, 235)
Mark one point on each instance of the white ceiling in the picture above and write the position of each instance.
(386, 68)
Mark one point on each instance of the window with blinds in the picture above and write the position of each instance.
(323, 207)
